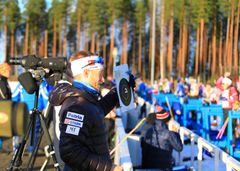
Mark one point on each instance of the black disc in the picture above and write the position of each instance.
(125, 92)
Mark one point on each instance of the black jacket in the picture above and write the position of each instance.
(5, 91)
(83, 139)
(157, 146)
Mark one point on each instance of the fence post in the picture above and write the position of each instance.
(200, 150)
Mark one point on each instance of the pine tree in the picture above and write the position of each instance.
(140, 14)
(36, 16)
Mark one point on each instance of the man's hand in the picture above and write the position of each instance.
(118, 168)
(132, 82)
(172, 127)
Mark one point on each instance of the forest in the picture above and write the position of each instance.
(197, 38)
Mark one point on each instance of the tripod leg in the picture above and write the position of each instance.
(17, 157)
(49, 141)
(46, 148)
(35, 151)
(47, 116)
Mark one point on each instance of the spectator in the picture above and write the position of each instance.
(228, 98)
(158, 143)
(5, 91)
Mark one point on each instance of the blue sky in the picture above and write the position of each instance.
(21, 4)
(2, 38)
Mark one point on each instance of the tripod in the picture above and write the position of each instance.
(16, 161)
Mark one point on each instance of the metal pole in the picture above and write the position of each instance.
(153, 41)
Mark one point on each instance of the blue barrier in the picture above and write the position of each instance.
(231, 116)
(192, 105)
(207, 133)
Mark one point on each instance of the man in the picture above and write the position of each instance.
(159, 141)
(83, 137)
(5, 91)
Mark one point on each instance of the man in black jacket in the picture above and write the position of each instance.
(83, 137)
(159, 141)
(5, 91)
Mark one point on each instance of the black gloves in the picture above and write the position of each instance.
(132, 82)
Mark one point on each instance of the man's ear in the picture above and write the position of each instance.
(86, 73)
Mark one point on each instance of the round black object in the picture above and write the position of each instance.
(125, 92)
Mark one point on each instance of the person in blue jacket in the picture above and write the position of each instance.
(159, 141)
(180, 90)
(20, 95)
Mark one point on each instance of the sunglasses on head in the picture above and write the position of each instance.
(99, 60)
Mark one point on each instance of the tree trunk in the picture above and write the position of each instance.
(180, 51)
(226, 60)
(112, 42)
(12, 43)
(98, 43)
(133, 54)
(214, 46)
(41, 47)
(86, 42)
(124, 59)
(170, 45)
(162, 41)
(205, 52)
(184, 47)
(54, 48)
(220, 55)
(236, 31)
(5, 41)
(144, 59)
(201, 45)
(150, 50)
(60, 39)
(46, 44)
(92, 42)
(65, 38)
(78, 32)
(231, 38)
(26, 38)
(209, 60)
(197, 51)
(105, 48)
(32, 43)
(140, 50)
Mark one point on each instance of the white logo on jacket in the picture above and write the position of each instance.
(72, 130)
(73, 122)
(75, 116)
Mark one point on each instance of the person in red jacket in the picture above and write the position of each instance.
(229, 94)
(228, 98)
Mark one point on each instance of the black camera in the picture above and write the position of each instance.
(34, 62)
(37, 68)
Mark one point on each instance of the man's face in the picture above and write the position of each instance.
(5, 70)
(95, 77)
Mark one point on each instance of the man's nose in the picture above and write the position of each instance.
(102, 79)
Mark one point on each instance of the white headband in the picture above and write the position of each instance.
(91, 63)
